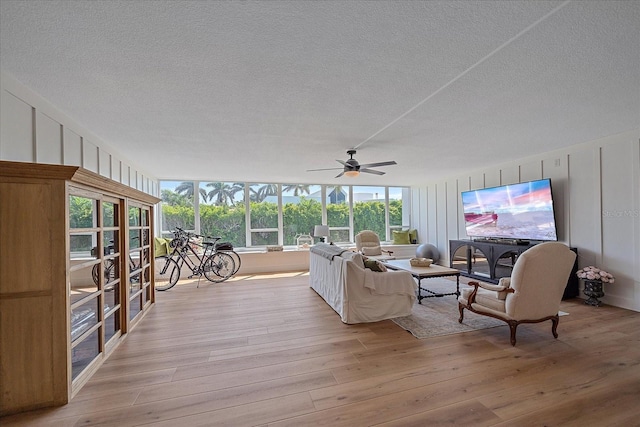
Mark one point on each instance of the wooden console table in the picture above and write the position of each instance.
(489, 261)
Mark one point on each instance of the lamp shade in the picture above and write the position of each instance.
(352, 173)
(321, 230)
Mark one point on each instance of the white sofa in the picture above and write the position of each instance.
(357, 294)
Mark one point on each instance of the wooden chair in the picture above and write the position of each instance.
(533, 292)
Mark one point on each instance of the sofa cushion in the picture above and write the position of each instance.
(401, 237)
(374, 265)
(355, 257)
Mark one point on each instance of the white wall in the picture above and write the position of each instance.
(33, 130)
(596, 188)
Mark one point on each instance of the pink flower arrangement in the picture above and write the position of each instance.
(594, 273)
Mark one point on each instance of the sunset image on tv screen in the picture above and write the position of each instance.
(516, 211)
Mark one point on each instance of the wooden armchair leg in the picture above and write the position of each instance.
(461, 308)
(513, 325)
(554, 325)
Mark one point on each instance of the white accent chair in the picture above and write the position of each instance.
(368, 244)
(533, 292)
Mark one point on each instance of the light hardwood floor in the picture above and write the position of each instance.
(268, 351)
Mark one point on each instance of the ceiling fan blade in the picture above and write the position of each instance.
(375, 172)
(374, 165)
(343, 163)
(326, 169)
(340, 174)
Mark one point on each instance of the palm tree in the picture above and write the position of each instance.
(298, 189)
(222, 193)
(186, 188)
(261, 193)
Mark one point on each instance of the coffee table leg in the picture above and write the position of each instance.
(419, 290)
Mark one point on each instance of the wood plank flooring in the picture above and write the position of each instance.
(268, 351)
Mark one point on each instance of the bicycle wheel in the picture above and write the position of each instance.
(218, 267)
(167, 273)
(109, 272)
(236, 259)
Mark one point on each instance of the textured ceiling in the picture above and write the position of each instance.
(263, 91)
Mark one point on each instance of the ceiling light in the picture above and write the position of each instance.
(352, 174)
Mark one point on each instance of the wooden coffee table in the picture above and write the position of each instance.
(426, 273)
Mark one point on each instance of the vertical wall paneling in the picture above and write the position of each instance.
(115, 169)
(432, 215)
(510, 175)
(618, 218)
(33, 130)
(636, 223)
(126, 174)
(104, 163)
(452, 214)
(491, 178)
(555, 168)
(16, 131)
(442, 241)
(72, 147)
(465, 185)
(476, 181)
(48, 142)
(531, 171)
(89, 155)
(416, 204)
(584, 211)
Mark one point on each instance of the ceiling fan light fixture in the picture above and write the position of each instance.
(352, 174)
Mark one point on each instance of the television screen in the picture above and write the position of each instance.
(521, 211)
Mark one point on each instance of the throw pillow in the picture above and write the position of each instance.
(413, 236)
(401, 237)
(374, 265)
(160, 246)
(372, 251)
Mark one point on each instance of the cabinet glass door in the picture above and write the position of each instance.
(139, 259)
(94, 272)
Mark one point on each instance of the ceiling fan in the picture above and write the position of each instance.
(352, 168)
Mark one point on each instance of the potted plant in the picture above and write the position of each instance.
(593, 278)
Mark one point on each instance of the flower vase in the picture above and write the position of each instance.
(593, 289)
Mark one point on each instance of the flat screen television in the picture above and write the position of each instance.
(521, 211)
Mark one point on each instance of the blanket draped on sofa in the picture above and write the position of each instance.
(358, 294)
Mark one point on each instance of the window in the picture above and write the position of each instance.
(301, 210)
(177, 206)
(222, 211)
(263, 212)
(260, 214)
(369, 210)
(338, 213)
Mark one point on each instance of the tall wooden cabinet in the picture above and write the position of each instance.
(75, 277)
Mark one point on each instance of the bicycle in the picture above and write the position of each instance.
(227, 247)
(109, 270)
(215, 266)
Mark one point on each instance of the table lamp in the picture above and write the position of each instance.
(321, 231)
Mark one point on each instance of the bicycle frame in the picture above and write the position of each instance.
(181, 254)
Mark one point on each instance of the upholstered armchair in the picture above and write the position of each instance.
(533, 292)
(368, 244)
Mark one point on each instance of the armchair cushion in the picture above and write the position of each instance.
(371, 251)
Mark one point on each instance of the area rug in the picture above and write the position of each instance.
(439, 316)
